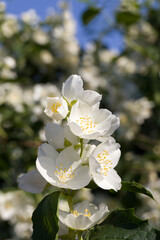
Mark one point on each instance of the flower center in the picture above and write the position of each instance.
(55, 106)
(64, 175)
(86, 214)
(86, 124)
(104, 162)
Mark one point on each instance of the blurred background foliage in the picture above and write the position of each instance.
(36, 56)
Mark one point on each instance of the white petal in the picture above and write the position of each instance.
(114, 125)
(87, 151)
(70, 136)
(68, 157)
(54, 134)
(32, 182)
(112, 149)
(90, 97)
(110, 181)
(72, 88)
(46, 166)
(100, 214)
(77, 219)
(46, 150)
(80, 207)
(75, 128)
(79, 223)
(81, 179)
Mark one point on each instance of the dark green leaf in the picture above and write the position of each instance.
(123, 225)
(89, 14)
(45, 220)
(136, 187)
(127, 17)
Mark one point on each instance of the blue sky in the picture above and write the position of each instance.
(113, 41)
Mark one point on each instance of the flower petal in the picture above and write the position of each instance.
(72, 88)
(81, 179)
(46, 150)
(108, 151)
(55, 136)
(90, 97)
(111, 180)
(46, 166)
(32, 182)
(68, 157)
(70, 136)
(80, 223)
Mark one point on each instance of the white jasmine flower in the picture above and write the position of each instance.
(83, 216)
(102, 162)
(57, 108)
(63, 169)
(91, 122)
(56, 135)
(72, 90)
(32, 182)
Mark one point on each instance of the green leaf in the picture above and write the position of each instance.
(89, 14)
(123, 225)
(127, 17)
(136, 187)
(45, 220)
(67, 143)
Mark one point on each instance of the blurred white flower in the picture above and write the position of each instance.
(125, 65)
(150, 210)
(106, 56)
(8, 74)
(40, 37)
(83, 216)
(46, 57)
(2, 6)
(15, 205)
(9, 62)
(22, 229)
(141, 109)
(91, 76)
(10, 26)
(41, 91)
(30, 17)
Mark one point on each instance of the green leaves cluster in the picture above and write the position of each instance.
(123, 225)
(120, 224)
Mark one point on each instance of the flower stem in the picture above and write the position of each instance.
(70, 202)
(81, 141)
